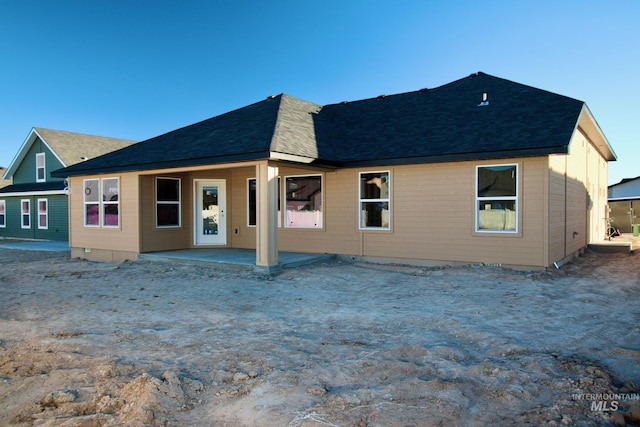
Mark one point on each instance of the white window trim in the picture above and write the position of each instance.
(101, 204)
(3, 214)
(46, 214)
(85, 203)
(104, 203)
(514, 198)
(380, 200)
(164, 202)
(320, 226)
(44, 169)
(28, 226)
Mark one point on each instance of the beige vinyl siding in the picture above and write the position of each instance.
(339, 216)
(576, 229)
(577, 198)
(125, 238)
(433, 212)
(557, 207)
(162, 239)
(245, 237)
(432, 217)
(598, 175)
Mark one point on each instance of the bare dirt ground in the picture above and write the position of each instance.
(136, 344)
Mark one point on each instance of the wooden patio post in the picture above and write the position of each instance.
(266, 215)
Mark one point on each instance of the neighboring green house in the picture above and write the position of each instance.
(35, 205)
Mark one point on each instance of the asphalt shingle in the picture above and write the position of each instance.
(443, 123)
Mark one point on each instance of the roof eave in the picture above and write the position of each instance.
(274, 155)
(201, 161)
(457, 157)
(588, 124)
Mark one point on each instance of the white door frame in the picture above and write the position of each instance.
(219, 236)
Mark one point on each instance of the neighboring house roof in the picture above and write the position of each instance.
(31, 187)
(624, 181)
(626, 189)
(69, 147)
(477, 117)
(3, 182)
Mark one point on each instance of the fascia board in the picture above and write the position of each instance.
(33, 193)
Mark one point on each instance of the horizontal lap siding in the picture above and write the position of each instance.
(339, 208)
(557, 208)
(577, 196)
(434, 217)
(57, 218)
(124, 238)
(13, 219)
(238, 199)
(162, 239)
(432, 214)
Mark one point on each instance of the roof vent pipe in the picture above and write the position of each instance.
(485, 100)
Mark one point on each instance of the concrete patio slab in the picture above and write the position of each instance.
(233, 258)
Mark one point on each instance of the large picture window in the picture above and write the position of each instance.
(3, 213)
(497, 198)
(303, 201)
(375, 200)
(43, 214)
(101, 202)
(252, 202)
(40, 169)
(167, 202)
(25, 213)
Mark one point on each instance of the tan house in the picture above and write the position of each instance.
(480, 170)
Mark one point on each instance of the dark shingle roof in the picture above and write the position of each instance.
(447, 123)
(440, 124)
(29, 187)
(242, 134)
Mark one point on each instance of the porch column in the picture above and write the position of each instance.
(266, 215)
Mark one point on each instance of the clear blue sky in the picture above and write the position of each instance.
(135, 69)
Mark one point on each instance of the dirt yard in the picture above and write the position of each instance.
(334, 344)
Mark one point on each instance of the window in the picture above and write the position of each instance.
(3, 214)
(110, 203)
(167, 202)
(92, 202)
(496, 198)
(25, 213)
(304, 201)
(374, 200)
(252, 204)
(40, 172)
(43, 220)
(101, 204)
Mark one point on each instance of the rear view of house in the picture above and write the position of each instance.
(35, 206)
(481, 170)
